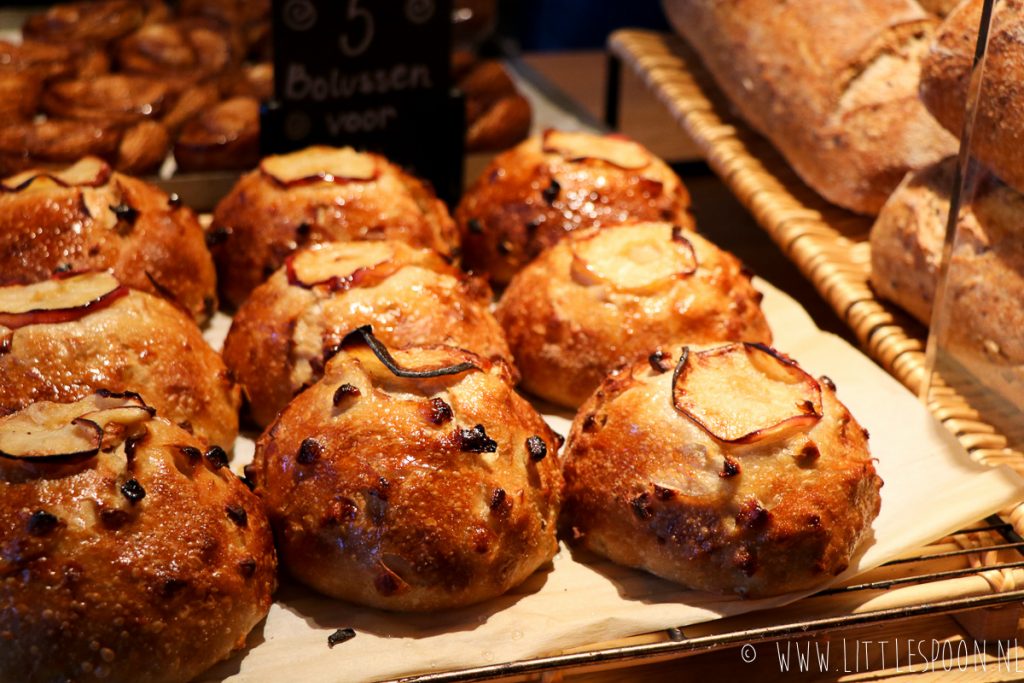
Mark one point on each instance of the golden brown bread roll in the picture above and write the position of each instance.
(455, 502)
(64, 338)
(83, 23)
(48, 61)
(86, 217)
(250, 18)
(832, 85)
(603, 297)
(998, 135)
(137, 148)
(225, 136)
(532, 195)
(411, 297)
(497, 116)
(735, 473)
(252, 80)
(129, 554)
(320, 194)
(182, 51)
(986, 273)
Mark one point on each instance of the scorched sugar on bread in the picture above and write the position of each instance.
(603, 297)
(532, 195)
(728, 470)
(320, 194)
(412, 479)
(412, 297)
(130, 554)
(64, 338)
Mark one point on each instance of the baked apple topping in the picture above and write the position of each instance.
(320, 164)
(363, 336)
(64, 432)
(58, 300)
(618, 151)
(758, 393)
(340, 270)
(87, 172)
(633, 259)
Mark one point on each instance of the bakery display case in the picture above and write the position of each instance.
(316, 419)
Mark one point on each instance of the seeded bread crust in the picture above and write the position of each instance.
(986, 277)
(527, 199)
(567, 334)
(833, 88)
(156, 590)
(261, 221)
(279, 336)
(648, 488)
(138, 343)
(383, 491)
(999, 121)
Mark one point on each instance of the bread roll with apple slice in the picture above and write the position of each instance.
(604, 297)
(320, 194)
(726, 468)
(282, 333)
(64, 338)
(532, 195)
(131, 541)
(410, 479)
(87, 217)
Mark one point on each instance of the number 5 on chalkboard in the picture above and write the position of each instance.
(358, 32)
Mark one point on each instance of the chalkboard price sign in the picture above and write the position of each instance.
(374, 74)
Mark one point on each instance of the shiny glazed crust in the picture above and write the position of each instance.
(527, 199)
(568, 329)
(388, 506)
(94, 23)
(225, 136)
(278, 338)
(155, 590)
(53, 143)
(648, 488)
(45, 227)
(139, 343)
(261, 221)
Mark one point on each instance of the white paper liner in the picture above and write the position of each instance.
(931, 489)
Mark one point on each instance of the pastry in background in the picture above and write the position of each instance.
(87, 217)
(998, 135)
(64, 338)
(727, 469)
(92, 23)
(604, 297)
(225, 136)
(181, 52)
(320, 194)
(412, 297)
(413, 479)
(497, 116)
(833, 86)
(138, 556)
(986, 272)
(19, 96)
(531, 196)
(108, 99)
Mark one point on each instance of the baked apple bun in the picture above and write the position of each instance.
(532, 195)
(63, 338)
(603, 297)
(86, 217)
(411, 297)
(413, 481)
(728, 469)
(129, 553)
(320, 194)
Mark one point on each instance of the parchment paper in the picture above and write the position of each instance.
(931, 489)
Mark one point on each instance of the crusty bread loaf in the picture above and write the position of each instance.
(999, 124)
(832, 85)
(986, 274)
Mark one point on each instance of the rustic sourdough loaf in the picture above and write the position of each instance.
(832, 86)
(946, 70)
